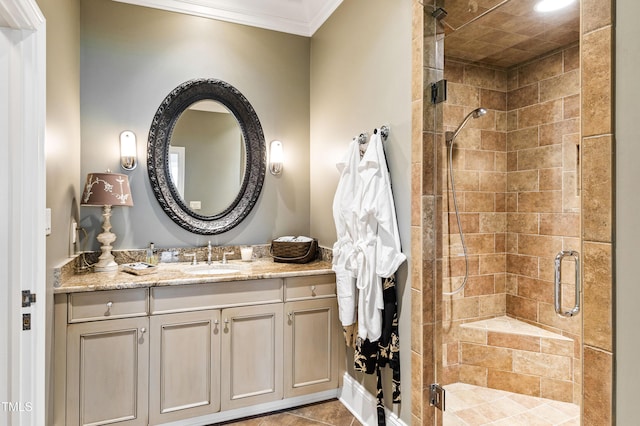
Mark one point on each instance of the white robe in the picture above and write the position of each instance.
(370, 247)
(345, 221)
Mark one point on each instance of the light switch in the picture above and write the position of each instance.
(47, 221)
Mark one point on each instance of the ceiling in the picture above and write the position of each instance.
(301, 17)
(500, 33)
(504, 33)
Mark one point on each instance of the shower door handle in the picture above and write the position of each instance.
(558, 284)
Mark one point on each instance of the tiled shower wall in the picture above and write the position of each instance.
(480, 171)
(518, 193)
(543, 188)
(598, 145)
(543, 198)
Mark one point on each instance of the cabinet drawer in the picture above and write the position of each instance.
(310, 287)
(102, 305)
(215, 295)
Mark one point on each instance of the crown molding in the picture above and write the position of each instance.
(301, 17)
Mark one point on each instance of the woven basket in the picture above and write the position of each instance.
(294, 252)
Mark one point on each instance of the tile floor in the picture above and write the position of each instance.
(469, 405)
(331, 413)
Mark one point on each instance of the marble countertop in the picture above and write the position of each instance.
(168, 274)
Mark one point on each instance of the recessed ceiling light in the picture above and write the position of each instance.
(551, 5)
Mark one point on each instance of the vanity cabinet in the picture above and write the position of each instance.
(312, 333)
(251, 355)
(107, 359)
(107, 372)
(166, 354)
(184, 365)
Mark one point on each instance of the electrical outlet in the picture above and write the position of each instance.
(74, 231)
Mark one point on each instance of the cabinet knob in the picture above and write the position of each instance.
(109, 305)
(216, 322)
(143, 330)
(226, 320)
(313, 290)
(290, 315)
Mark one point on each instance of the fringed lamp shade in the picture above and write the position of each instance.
(106, 190)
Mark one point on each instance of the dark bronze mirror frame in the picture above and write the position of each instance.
(162, 126)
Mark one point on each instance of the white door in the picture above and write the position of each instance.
(22, 207)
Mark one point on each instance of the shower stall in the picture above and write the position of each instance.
(500, 229)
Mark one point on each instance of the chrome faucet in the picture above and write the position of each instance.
(209, 253)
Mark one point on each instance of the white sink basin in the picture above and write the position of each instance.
(211, 270)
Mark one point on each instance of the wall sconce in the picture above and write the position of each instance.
(128, 151)
(276, 158)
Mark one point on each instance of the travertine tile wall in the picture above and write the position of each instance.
(426, 233)
(480, 171)
(543, 190)
(598, 146)
(516, 170)
(543, 196)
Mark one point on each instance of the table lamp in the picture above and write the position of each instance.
(106, 190)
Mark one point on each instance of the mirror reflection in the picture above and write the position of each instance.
(207, 157)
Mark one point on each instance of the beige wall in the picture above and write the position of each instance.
(627, 205)
(62, 147)
(360, 79)
(132, 57)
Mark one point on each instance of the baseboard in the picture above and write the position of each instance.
(363, 405)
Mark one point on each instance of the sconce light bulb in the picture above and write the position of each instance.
(128, 154)
(276, 158)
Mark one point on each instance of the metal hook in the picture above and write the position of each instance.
(384, 132)
(363, 138)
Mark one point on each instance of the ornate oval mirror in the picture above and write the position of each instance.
(206, 156)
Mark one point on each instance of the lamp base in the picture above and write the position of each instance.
(105, 265)
(106, 262)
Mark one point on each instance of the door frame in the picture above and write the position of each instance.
(22, 242)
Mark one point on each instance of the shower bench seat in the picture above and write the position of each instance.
(507, 354)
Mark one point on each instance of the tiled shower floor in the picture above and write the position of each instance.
(469, 405)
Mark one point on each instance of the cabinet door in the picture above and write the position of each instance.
(107, 372)
(251, 355)
(311, 346)
(184, 365)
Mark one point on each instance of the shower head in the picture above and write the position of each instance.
(476, 113)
